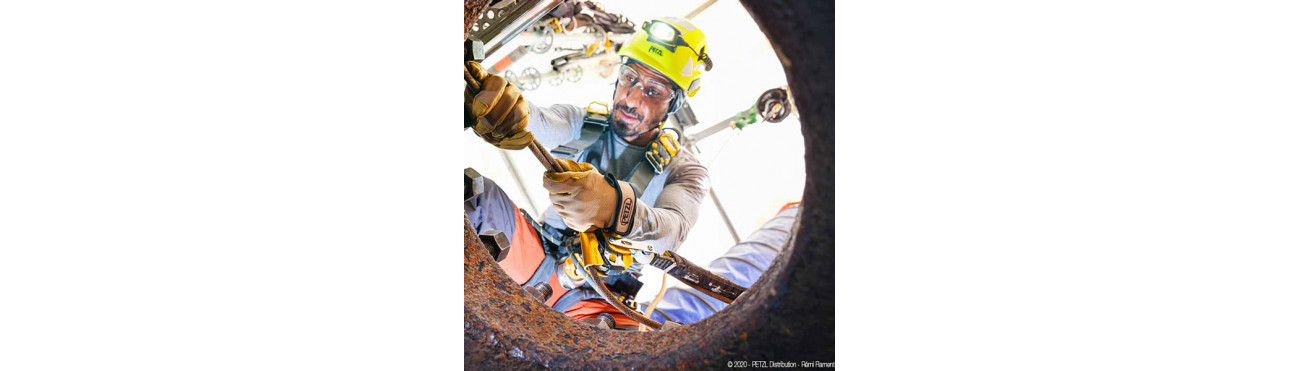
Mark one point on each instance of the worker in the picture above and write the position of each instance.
(624, 172)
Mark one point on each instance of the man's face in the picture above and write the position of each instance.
(640, 101)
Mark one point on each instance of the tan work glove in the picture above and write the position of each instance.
(587, 200)
(497, 108)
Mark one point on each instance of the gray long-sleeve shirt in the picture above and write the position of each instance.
(675, 209)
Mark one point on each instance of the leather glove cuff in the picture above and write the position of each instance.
(625, 208)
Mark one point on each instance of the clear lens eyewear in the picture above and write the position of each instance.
(628, 78)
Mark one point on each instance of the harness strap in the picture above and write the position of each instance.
(589, 146)
(594, 123)
(661, 152)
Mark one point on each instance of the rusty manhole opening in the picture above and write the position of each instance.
(788, 313)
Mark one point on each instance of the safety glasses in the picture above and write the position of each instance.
(670, 37)
(652, 90)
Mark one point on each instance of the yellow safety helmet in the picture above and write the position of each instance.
(674, 47)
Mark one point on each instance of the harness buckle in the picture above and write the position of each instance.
(591, 108)
(661, 152)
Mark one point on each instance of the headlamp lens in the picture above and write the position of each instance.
(662, 31)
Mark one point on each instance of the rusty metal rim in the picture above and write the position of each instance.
(788, 314)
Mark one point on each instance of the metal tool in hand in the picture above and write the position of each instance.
(474, 52)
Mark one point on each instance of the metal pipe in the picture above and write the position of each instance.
(699, 9)
(698, 278)
(545, 157)
(717, 202)
(706, 132)
(725, 220)
(585, 38)
(519, 24)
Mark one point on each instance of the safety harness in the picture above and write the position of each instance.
(645, 175)
(592, 141)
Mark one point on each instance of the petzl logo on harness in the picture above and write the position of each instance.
(655, 50)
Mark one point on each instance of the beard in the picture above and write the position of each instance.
(623, 128)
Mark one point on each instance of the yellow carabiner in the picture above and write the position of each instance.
(590, 248)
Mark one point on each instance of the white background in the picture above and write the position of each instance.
(229, 185)
(268, 185)
(1069, 186)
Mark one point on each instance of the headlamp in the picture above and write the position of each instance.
(665, 34)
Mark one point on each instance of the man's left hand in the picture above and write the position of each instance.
(581, 196)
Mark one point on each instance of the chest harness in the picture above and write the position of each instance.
(595, 146)
(590, 147)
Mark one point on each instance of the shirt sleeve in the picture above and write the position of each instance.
(666, 224)
(555, 125)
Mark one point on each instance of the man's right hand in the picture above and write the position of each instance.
(498, 110)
